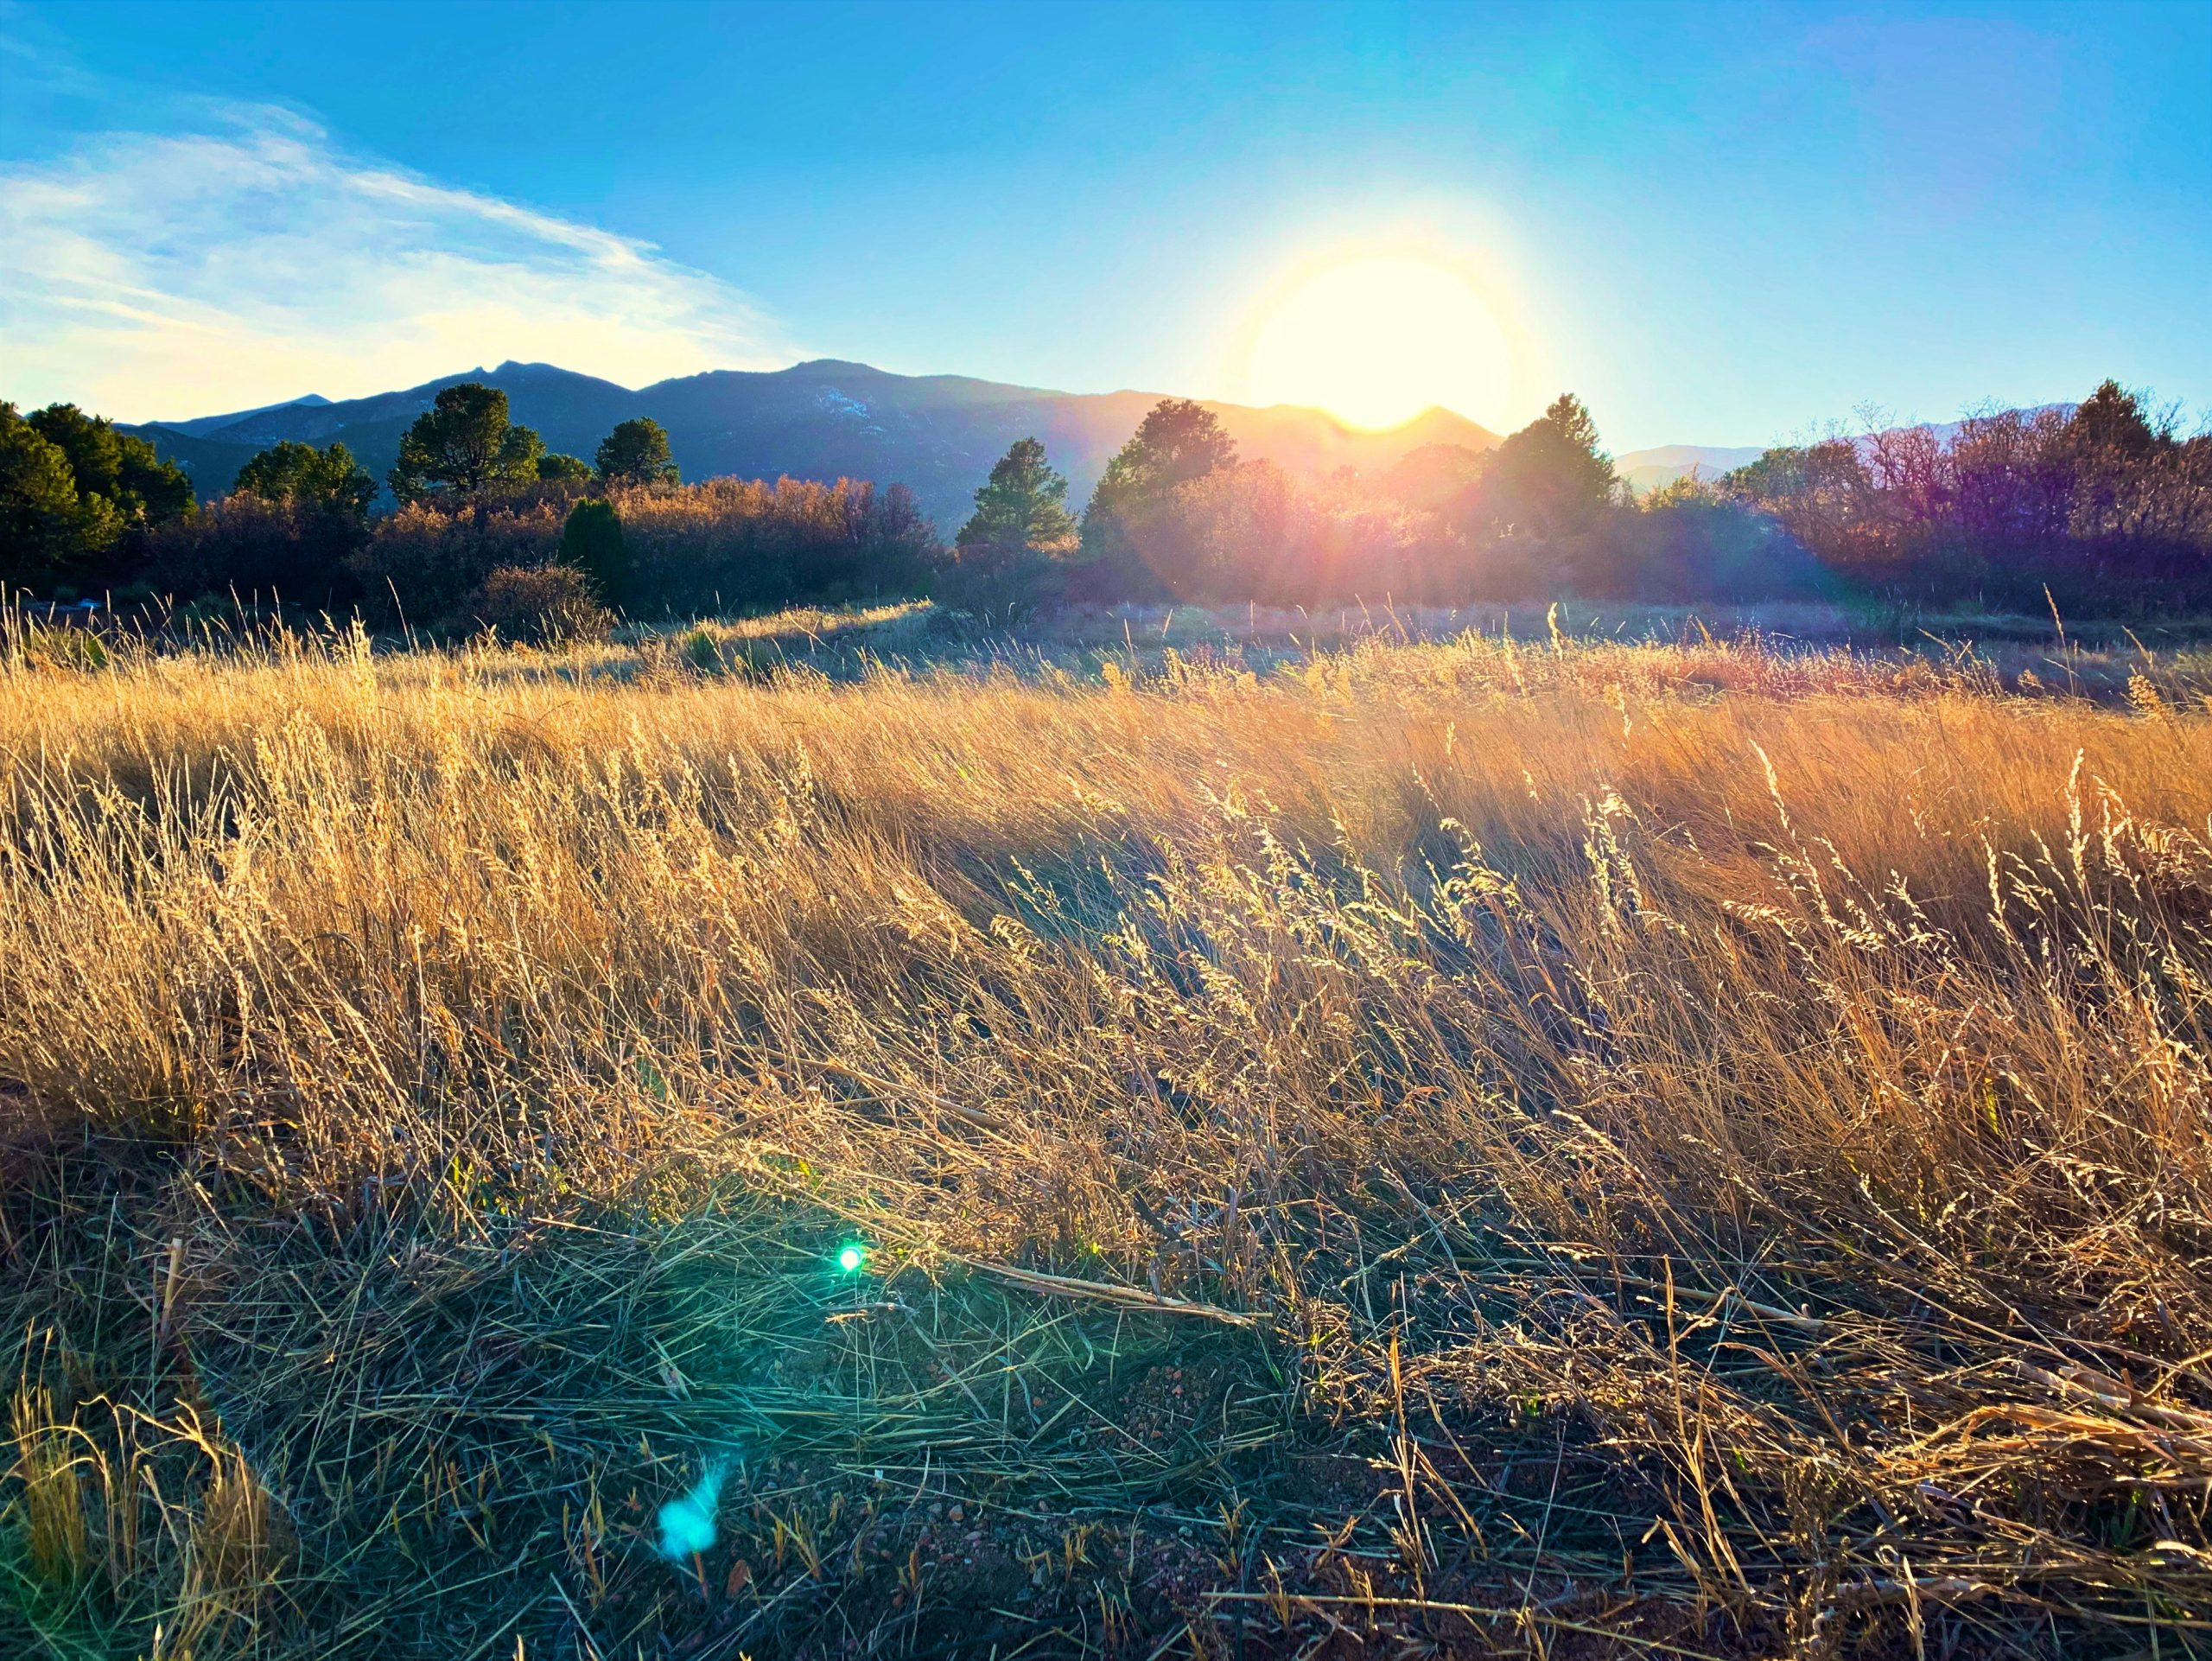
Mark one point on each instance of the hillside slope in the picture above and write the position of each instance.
(936, 433)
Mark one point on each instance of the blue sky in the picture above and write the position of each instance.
(1717, 224)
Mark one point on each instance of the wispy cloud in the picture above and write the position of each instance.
(248, 259)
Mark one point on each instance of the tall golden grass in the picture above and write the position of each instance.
(1422, 1146)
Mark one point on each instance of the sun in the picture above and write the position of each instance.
(1377, 338)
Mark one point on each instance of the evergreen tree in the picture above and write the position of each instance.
(290, 471)
(1176, 442)
(93, 447)
(522, 455)
(46, 529)
(1550, 478)
(2111, 423)
(592, 542)
(122, 470)
(1023, 504)
(462, 444)
(636, 453)
(163, 489)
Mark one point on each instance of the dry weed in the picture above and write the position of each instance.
(1460, 1145)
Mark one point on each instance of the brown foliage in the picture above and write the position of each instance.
(694, 548)
(546, 604)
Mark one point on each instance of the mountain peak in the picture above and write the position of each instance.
(516, 367)
(823, 366)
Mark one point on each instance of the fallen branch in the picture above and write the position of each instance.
(1128, 1297)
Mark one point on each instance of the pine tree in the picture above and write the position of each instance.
(1022, 505)
(592, 542)
(636, 453)
(1550, 477)
(328, 478)
(1178, 440)
(46, 529)
(462, 443)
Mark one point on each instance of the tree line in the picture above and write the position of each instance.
(2104, 507)
(78, 498)
(484, 525)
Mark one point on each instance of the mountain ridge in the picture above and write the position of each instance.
(824, 418)
(827, 418)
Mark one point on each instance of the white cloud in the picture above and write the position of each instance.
(147, 275)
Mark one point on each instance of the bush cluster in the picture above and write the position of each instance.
(2104, 507)
(725, 545)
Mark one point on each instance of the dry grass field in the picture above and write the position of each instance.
(1398, 1142)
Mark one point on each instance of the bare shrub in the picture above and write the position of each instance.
(546, 604)
(426, 560)
(734, 542)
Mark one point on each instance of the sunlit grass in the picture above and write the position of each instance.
(1460, 1133)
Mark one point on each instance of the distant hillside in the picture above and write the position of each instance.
(1649, 469)
(203, 425)
(939, 434)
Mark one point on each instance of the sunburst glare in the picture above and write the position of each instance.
(1377, 338)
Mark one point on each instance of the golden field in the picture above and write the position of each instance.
(1414, 1140)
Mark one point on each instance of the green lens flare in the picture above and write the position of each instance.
(850, 1257)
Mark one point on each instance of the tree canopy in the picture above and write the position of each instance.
(2112, 422)
(290, 471)
(1178, 442)
(72, 489)
(563, 469)
(2102, 505)
(463, 442)
(45, 526)
(636, 453)
(1022, 505)
(121, 469)
(1550, 478)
